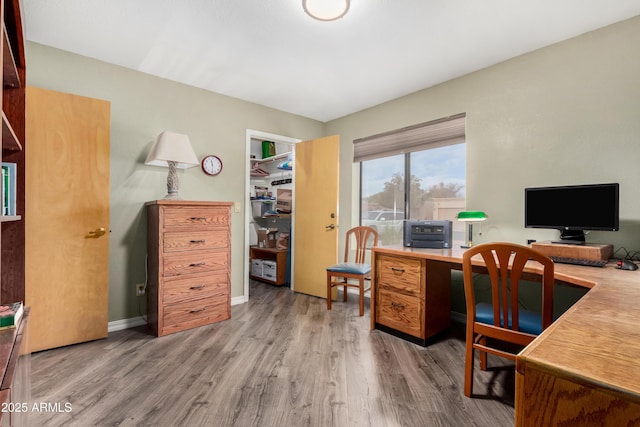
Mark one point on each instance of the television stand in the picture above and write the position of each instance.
(589, 251)
(568, 242)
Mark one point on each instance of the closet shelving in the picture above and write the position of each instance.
(282, 156)
(268, 176)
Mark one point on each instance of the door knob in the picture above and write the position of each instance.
(330, 227)
(97, 232)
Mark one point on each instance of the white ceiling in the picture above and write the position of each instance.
(271, 53)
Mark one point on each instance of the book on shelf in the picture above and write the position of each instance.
(3, 192)
(10, 315)
(9, 172)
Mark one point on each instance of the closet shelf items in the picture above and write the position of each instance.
(255, 162)
(258, 172)
(261, 168)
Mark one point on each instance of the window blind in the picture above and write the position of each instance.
(436, 133)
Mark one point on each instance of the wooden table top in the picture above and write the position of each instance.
(596, 342)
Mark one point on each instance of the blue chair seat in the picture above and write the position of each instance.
(529, 321)
(350, 267)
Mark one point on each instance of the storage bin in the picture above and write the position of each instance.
(261, 207)
(269, 270)
(257, 267)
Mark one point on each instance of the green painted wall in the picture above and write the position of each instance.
(565, 114)
(141, 107)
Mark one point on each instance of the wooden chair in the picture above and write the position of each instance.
(504, 263)
(358, 269)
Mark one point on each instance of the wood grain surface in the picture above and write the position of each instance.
(67, 201)
(189, 264)
(282, 359)
(590, 353)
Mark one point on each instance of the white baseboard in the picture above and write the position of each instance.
(239, 300)
(118, 325)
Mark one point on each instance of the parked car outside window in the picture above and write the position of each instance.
(388, 223)
(376, 219)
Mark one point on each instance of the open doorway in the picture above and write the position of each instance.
(269, 173)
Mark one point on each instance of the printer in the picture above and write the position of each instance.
(427, 234)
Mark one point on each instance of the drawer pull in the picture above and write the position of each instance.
(197, 311)
(197, 264)
(198, 218)
(397, 270)
(197, 288)
(397, 306)
(197, 241)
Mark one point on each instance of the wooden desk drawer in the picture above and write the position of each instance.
(192, 287)
(401, 275)
(187, 315)
(186, 241)
(400, 312)
(192, 218)
(194, 262)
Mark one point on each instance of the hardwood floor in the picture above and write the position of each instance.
(281, 360)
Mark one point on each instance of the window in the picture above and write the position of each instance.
(427, 182)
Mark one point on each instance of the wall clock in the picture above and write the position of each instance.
(211, 165)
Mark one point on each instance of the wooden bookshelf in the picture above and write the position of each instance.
(14, 365)
(12, 232)
(9, 139)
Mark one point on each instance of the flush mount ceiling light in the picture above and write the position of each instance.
(326, 10)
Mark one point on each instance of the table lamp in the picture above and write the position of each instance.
(172, 150)
(470, 217)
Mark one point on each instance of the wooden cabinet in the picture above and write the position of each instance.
(279, 259)
(15, 367)
(14, 358)
(412, 297)
(189, 264)
(13, 150)
(400, 294)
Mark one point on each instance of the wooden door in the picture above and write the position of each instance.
(315, 231)
(67, 203)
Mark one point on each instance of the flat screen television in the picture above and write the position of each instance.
(572, 209)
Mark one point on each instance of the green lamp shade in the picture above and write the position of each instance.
(472, 216)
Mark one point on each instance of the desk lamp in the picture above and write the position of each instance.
(470, 217)
(172, 150)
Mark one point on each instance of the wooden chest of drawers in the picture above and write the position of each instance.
(411, 297)
(189, 264)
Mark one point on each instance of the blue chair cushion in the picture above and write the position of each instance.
(350, 267)
(529, 322)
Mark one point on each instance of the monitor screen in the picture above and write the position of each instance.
(572, 208)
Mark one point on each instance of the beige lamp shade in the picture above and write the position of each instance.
(172, 150)
(172, 147)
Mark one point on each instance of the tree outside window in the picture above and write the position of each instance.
(435, 190)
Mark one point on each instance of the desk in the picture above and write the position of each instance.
(585, 368)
